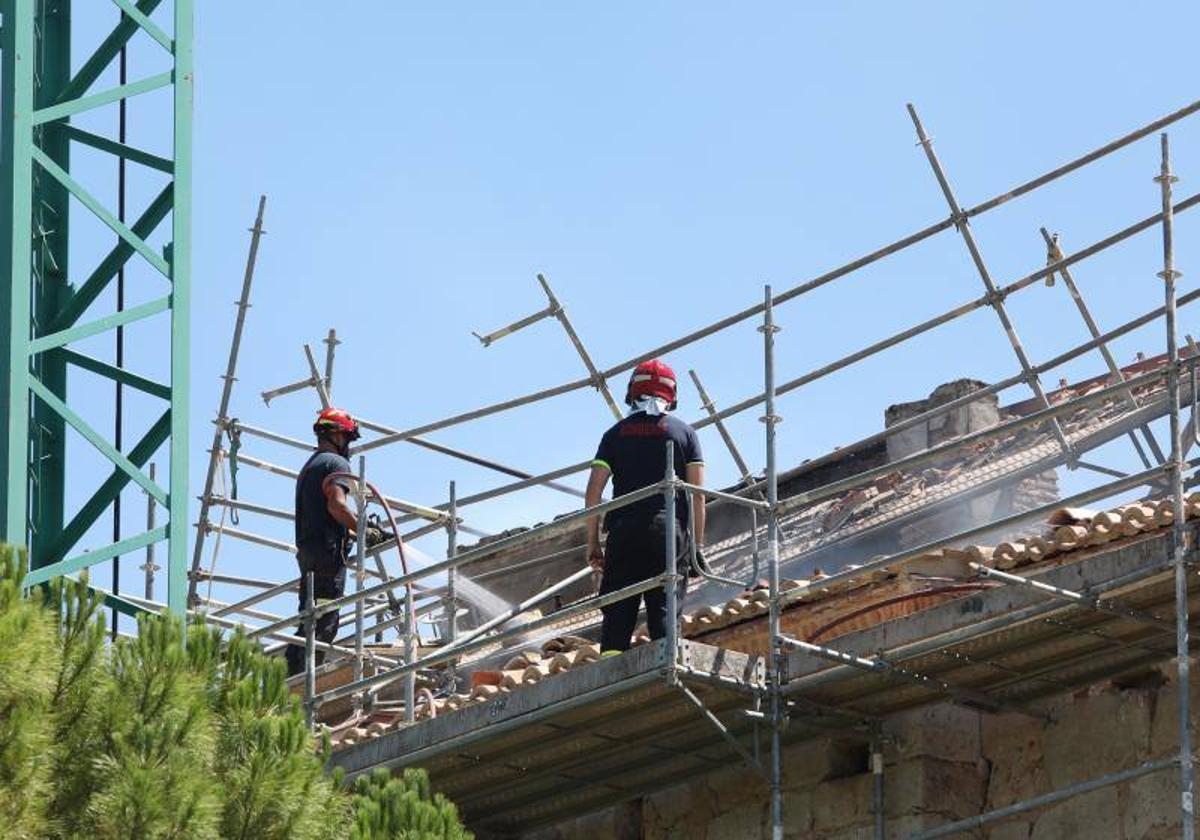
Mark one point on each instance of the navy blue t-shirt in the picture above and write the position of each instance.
(320, 539)
(634, 451)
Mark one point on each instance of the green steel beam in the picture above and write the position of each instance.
(100, 325)
(92, 203)
(74, 530)
(116, 602)
(97, 440)
(150, 27)
(51, 211)
(16, 233)
(90, 558)
(181, 301)
(99, 279)
(40, 311)
(120, 150)
(116, 374)
(105, 53)
(97, 100)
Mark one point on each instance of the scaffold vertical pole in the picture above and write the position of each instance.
(331, 342)
(359, 571)
(451, 599)
(1179, 546)
(768, 330)
(877, 791)
(310, 650)
(214, 455)
(670, 578)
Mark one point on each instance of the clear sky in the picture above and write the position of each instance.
(659, 163)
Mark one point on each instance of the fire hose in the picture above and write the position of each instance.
(379, 497)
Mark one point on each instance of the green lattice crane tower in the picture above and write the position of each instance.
(47, 305)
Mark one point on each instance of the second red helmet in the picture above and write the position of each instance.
(652, 378)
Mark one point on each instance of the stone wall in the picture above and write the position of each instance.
(941, 763)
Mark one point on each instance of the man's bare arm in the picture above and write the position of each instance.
(695, 475)
(338, 505)
(595, 491)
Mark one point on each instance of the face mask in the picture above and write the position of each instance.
(650, 405)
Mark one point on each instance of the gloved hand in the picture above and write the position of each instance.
(375, 536)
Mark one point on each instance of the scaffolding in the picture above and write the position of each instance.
(748, 706)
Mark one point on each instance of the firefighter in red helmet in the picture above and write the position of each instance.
(633, 454)
(324, 523)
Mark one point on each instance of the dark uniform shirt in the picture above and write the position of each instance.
(320, 539)
(634, 451)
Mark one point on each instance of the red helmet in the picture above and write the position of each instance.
(336, 420)
(652, 378)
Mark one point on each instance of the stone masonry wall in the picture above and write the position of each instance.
(941, 763)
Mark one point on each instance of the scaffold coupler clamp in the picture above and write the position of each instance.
(995, 297)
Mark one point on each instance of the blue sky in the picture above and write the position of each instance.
(659, 163)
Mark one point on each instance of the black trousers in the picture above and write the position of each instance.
(325, 587)
(634, 551)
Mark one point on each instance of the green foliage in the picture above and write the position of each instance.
(151, 738)
(27, 674)
(389, 808)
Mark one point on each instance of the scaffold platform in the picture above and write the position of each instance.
(581, 740)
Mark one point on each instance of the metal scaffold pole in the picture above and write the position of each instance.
(671, 574)
(1179, 535)
(310, 650)
(711, 409)
(214, 459)
(877, 792)
(775, 672)
(1054, 254)
(359, 571)
(994, 296)
(451, 597)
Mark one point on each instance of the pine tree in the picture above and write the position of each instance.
(274, 789)
(151, 738)
(27, 672)
(404, 808)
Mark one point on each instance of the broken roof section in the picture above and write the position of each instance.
(937, 469)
